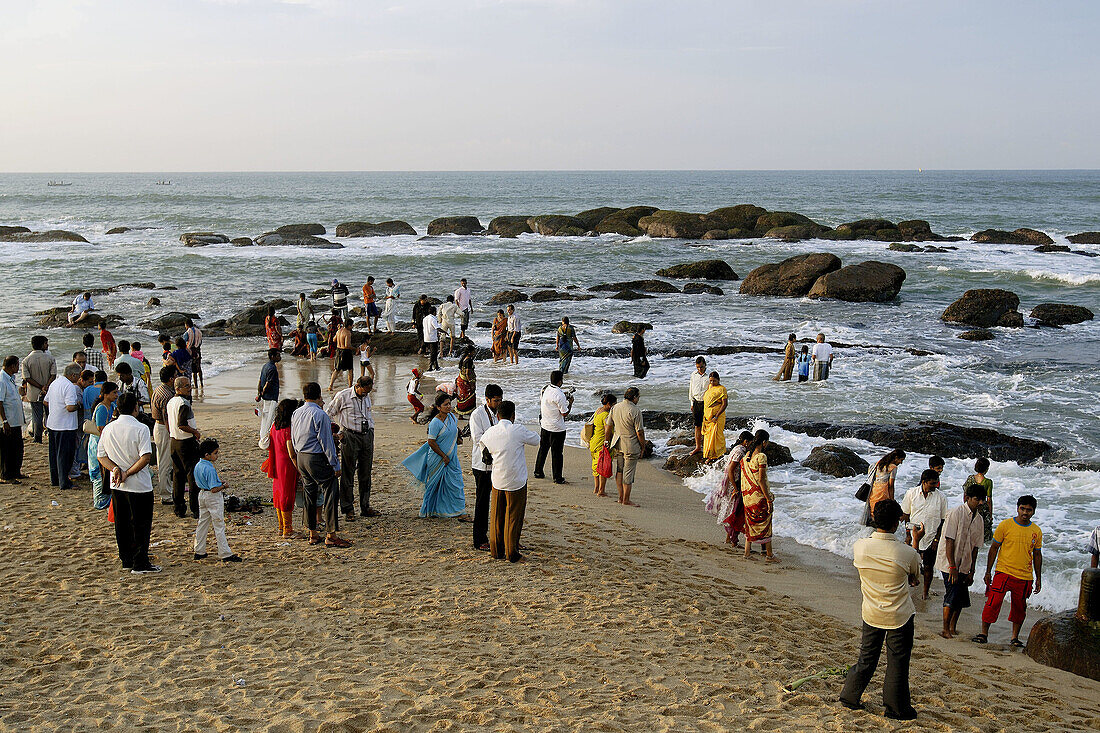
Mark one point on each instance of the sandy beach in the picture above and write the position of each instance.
(620, 619)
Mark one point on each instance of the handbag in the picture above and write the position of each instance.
(603, 463)
(90, 428)
(863, 492)
(587, 432)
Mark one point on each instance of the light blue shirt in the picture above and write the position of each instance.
(13, 403)
(90, 394)
(206, 476)
(311, 432)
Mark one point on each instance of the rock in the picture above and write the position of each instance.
(778, 454)
(836, 460)
(702, 270)
(591, 218)
(202, 239)
(1061, 314)
(152, 302)
(169, 321)
(367, 229)
(796, 232)
(625, 221)
(715, 234)
(321, 293)
(484, 324)
(4, 230)
(1066, 642)
(683, 463)
(546, 296)
(645, 286)
(696, 288)
(678, 224)
(399, 342)
(867, 282)
(1082, 238)
(59, 318)
(557, 225)
(981, 307)
(977, 334)
(899, 247)
(881, 230)
(294, 230)
(117, 230)
(510, 226)
(507, 296)
(742, 216)
(1052, 248)
(776, 219)
(793, 277)
(684, 438)
(274, 239)
(51, 235)
(242, 242)
(1022, 235)
(1012, 319)
(629, 326)
(463, 225)
(629, 295)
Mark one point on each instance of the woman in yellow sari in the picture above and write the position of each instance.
(500, 331)
(599, 435)
(715, 401)
(756, 496)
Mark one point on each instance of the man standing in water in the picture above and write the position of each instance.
(193, 338)
(564, 342)
(465, 305)
(821, 359)
(700, 382)
(340, 299)
(344, 361)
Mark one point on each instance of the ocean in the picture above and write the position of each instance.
(1038, 383)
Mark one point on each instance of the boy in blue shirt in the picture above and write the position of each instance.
(211, 504)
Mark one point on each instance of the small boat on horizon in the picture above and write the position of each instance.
(164, 183)
(58, 183)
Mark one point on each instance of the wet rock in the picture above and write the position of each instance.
(1061, 314)
(202, 239)
(152, 302)
(1052, 248)
(776, 219)
(168, 321)
(982, 307)
(59, 318)
(399, 342)
(900, 247)
(741, 216)
(778, 454)
(977, 334)
(510, 226)
(696, 288)
(630, 326)
(484, 324)
(1082, 238)
(557, 225)
(242, 242)
(51, 235)
(275, 239)
(793, 277)
(629, 295)
(867, 282)
(463, 225)
(796, 232)
(836, 460)
(1066, 642)
(294, 230)
(1012, 319)
(507, 296)
(4, 230)
(645, 286)
(684, 463)
(702, 270)
(625, 221)
(367, 229)
(714, 234)
(321, 293)
(117, 230)
(1022, 235)
(591, 218)
(547, 296)
(679, 224)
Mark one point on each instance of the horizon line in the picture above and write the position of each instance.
(567, 170)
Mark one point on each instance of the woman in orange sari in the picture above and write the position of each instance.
(715, 400)
(273, 330)
(756, 496)
(500, 332)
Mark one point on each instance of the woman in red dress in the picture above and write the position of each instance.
(274, 331)
(282, 470)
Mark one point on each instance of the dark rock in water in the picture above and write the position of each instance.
(883, 230)
(484, 324)
(59, 318)
(546, 296)
(117, 230)
(629, 295)
(202, 239)
(796, 232)
(684, 463)
(836, 460)
(982, 307)
(463, 225)
(1012, 319)
(977, 334)
(712, 234)
(507, 296)
(275, 239)
(1082, 238)
(1022, 235)
(1061, 314)
(557, 225)
(630, 326)
(696, 288)
(778, 454)
(1052, 248)
(294, 230)
(152, 302)
(645, 286)
(742, 216)
(540, 327)
(591, 218)
(793, 277)
(168, 321)
(510, 226)
(399, 342)
(114, 288)
(867, 282)
(679, 224)
(51, 235)
(242, 242)
(4, 230)
(625, 221)
(775, 219)
(367, 229)
(321, 293)
(702, 270)
(906, 247)
(1066, 642)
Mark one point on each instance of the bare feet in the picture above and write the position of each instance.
(770, 558)
(629, 503)
(947, 634)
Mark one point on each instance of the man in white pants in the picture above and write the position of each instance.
(164, 392)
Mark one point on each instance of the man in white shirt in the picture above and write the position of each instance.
(925, 508)
(505, 442)
(63, 399)
(555, 405)
(700, 382)
(481, 420)
(136, 367)
(389, 305)
(185, 436)
(81, 309)
(125, 451)
(448, 315)
(465, 305)
(431, 338)
(11, 431)
(350, 410)
(821, 359)
(513, 333)
(962, 536)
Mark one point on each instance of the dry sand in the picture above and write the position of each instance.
(621, 619)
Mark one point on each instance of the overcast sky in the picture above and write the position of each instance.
(547, 84)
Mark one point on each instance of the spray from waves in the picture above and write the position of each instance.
(1063, 277)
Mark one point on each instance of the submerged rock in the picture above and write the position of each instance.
(793, 277)
(696, 288)
(836, 460)
(367, 229)
(50, 235)
(630, 326)
(1061, 314)
(463, 225)
(117, 230)
(274, 239)
(867, 282)
(629, 295)
(702, 270)
(507, 296)
(241, 241)
(899, 247)
(1052, 248)
(645, 286)
(5, 230)
(546, 296)
(977, 334)
(985, 308)
(202, 239)
(1085, 238)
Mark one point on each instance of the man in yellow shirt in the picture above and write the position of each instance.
(1017, 554)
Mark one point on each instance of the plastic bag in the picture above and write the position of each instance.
(603, 464)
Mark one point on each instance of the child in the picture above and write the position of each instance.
(414, 395)
(980, 467)
(365, 352)
(166, 348)
(803, 362)
(211, 504)
(147, 368)
(108, 342)
(312, 338)
(936, 464)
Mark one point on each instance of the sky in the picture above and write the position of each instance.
(242, 85)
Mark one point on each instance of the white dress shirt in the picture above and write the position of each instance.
(700, 383)
(62, 393)
(124, 441)
(505, 442)
(822, 352)
(172, 411)
(480, 420)
(554, 408)
(431, 329)
(447, 313)
(928, 510)
(350, 411)
(462, 297)
(515, 325)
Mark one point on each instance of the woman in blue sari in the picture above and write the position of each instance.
(435, 464)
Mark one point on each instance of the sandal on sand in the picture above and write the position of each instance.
(1017, 643)
(979, 638)
(337, 542)
(314, 540)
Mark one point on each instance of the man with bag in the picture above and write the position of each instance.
(555, 405)
(481, 420)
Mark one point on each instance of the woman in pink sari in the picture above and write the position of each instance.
(274, 330)
(728, 506)
(756, 496)
(281, 468)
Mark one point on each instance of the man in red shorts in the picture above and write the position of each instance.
(1017, 552)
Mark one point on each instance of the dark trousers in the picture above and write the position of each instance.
(133, 524)
(506, 523)
(483, 489)
(11, 452)
(433, 355)
(641, 367)
(62, 454)
(356, 457)
(318, 477)
(554, 444)
(185, 454)
(895, 687)
(38, 420)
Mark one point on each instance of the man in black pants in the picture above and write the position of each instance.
(185, 436)
(481, 420)
(555, 406)
(420, 309)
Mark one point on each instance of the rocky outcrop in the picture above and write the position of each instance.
(836, 460)
(780, 219)
(171, 321)
(1022, 235)
(557, 225)
(678, 224)
(1066, 642)
(742, 217)
(463, 225)
(702, 270)
(795, 232)
(1048, 248)
(977, 334)
(1061, 314)
(249, 321)
(510, 227)
(367, 229)
(590, 218)
(645, 286)
(505, 297)
(274, 239)
(50, 235)
(1082, 238)
(684, 463)
(202, 239)
(629, 295)
(867, 282)
(905, 247)
(59, 318)
(697, 288)
(793, 277)
(399, 342)
(72, 292)
(241, 241)
(294, 230)
(547, 296)
(6, 230)
(152, 302)
(625, 221)
(630, 326)
(985, 308)
(117, 230)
